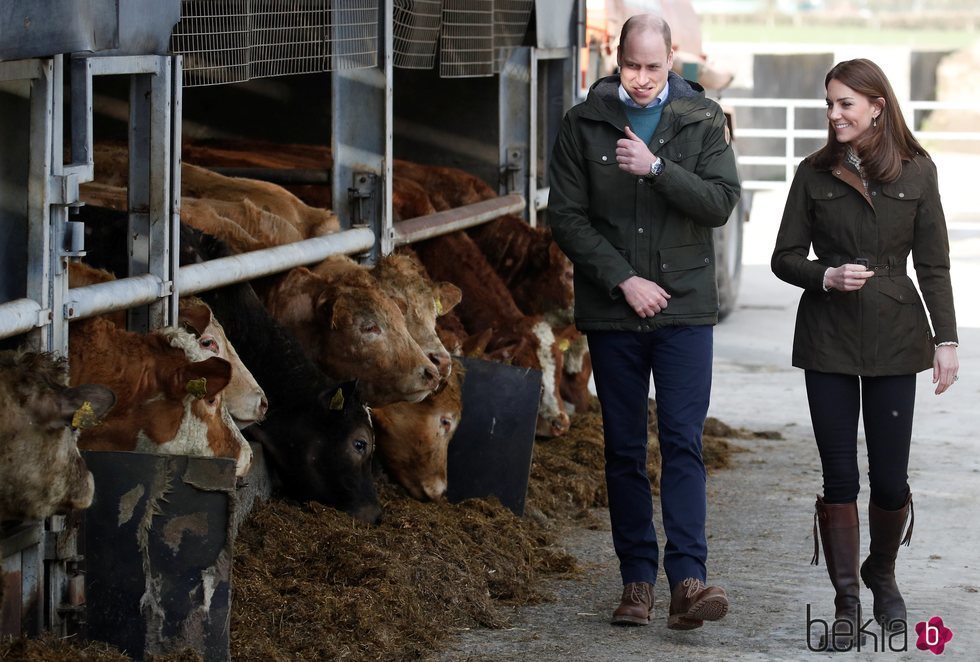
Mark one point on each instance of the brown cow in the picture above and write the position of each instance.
(167, 403)
(487, 304)
(535, 270)
(402, 277)
(413, 438)
(198, 182)
(576, 370)
(354, 331)
(447, 187)
(241, 224)
(243, 397)
(112, 168)
(41, 471)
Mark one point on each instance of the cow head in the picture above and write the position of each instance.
(321, 451)
(204, 385)
(531, 343)
(41, 471)
(413, 438)
(244, 398)
(403, 278)
(354, 333)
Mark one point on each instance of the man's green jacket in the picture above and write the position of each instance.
(613, 225)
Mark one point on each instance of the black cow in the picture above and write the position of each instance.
(317, 434)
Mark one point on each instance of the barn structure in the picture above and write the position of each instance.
(479, 86)
(474, 84)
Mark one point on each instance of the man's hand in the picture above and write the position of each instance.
(633, 155)
(644, 296)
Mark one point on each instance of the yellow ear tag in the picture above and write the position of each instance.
(84, 417)
(564, 344)
(438, 306)
(337, 401)
(198, 387)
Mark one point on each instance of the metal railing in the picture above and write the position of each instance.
(789, 159)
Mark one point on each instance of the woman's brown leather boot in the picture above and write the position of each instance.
(878, 570)
(838, 523)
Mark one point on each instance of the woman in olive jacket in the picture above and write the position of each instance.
(863, 202)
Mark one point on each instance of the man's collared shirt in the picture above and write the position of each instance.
(628, 100)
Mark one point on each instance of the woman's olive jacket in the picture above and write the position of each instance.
(880, 329)
(613, 225)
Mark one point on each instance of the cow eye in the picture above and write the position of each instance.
(209, 343)
(370, 329)
(446, 423)
(361, 446)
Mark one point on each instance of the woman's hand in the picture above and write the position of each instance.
(945, 365)
(846, 277)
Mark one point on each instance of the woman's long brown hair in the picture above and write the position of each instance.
(885, 146)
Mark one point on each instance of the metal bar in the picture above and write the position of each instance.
(20, 537)
(21, 69)
(541, 198)
(444, 222)
(18, 316)
(113, 295)
(138, 290)
(58, 215)
(39, 240)
(176, 95)
(81, 113)
(161, 209)
(115, 65)
(277, 175)
(223, 271)
(533, 131)
(554, 53)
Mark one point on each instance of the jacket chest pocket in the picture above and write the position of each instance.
(601, 163)
(832, 211)
(896, 209)
(682, 152)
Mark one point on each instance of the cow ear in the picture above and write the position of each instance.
(447, 296)
(325, 306)
(194, 315)
(85, 405)
(205, 378)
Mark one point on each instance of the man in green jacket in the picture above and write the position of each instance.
(641, 173)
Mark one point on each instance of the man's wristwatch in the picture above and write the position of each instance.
(657, 167)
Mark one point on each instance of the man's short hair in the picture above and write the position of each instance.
(643, 22)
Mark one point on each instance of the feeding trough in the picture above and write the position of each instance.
(490, 454)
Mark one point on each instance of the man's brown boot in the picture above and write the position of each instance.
(692, 603)
(636, 606)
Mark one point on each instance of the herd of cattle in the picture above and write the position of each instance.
(319, 365)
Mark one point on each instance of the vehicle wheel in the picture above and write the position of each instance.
(728, 258)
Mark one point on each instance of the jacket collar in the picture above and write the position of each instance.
(685, 104)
